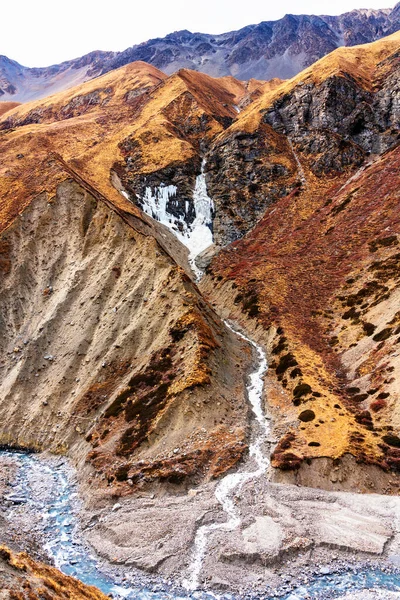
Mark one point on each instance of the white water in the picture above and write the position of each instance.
(196, 236)
(224, 491)
(48, 492)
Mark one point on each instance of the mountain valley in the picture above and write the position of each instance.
(160, 232)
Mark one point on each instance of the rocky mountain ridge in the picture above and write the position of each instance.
(342, 136)
(265, 51)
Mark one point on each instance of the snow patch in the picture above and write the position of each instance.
(197, 235)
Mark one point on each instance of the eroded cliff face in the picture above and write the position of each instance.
(109, 352)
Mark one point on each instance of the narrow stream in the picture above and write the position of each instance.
(231, 482)
(44, 488)
(47, 490)
(44, 497)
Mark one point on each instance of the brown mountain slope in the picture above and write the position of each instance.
(130, 388)
(22, 578)
(319, 271)
(328, 282)
(103, 331)
(134, 112)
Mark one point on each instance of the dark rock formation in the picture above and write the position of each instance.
(337, 113)
(246, 172)
(323, 126)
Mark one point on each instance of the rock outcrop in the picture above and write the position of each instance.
(328, 120)
(320, 269)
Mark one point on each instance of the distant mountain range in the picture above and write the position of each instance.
(270, 49)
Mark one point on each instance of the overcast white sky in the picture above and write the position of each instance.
(38, 33)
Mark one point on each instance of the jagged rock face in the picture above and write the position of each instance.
(270, 49)
(359, 26)
(332, 123)
(246, 172)
(340, 108)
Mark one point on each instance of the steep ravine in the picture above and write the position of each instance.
(112, 353)
(47, 489)
(260, 524)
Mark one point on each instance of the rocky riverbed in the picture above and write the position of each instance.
(331, 532)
